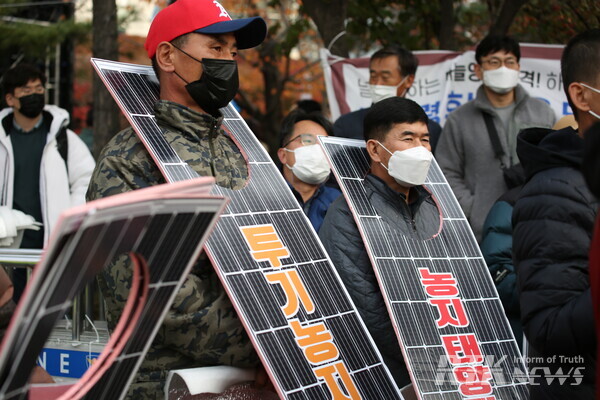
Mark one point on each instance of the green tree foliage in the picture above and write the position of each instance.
(413, 23)
(458, 24)
(555, 21)
(427, 24)
(34, 38)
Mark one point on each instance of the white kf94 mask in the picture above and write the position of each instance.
(501, 80)
(311, 165)
(382, 92)
(595, 90)
(409, 167)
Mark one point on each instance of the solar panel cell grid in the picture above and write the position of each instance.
(146, 93)
(267, 201)
(86, 241)
(433, 319)
(120, 84)
(157, 297)
(270, 298)
(168, 155)
(111, 385)
(251, 146)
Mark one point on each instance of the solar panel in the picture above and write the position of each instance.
(298, 315)
(86, 240)
(444, 307)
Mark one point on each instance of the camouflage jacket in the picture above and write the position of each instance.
(201, 328)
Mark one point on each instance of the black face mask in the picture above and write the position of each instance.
(32, 105)
(217, 85)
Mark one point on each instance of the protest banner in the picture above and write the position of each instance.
(445, 80)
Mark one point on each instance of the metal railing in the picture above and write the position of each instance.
(84, 302)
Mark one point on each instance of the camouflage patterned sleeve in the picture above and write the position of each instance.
(203, 325)
(114, 175)
(123, 165)
(201, 328)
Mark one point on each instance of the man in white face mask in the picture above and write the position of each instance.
(391, 73)
(478, 142)
(304, 165)
(398, 145)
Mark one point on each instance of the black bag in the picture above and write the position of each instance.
(513, 175)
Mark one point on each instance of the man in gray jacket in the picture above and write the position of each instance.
(398, 145)
(473, 165)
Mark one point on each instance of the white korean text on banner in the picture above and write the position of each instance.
(444, 81)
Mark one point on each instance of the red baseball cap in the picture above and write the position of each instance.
(202, 16)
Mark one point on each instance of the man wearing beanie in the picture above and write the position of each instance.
(193, 45)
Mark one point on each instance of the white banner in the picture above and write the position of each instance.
(444, 81)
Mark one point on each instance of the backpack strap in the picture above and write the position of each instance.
(62, 144)
(493, 134)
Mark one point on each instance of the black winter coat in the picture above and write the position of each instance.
(343, 242)
(553, 222)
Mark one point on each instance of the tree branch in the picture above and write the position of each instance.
(446, 34)
(507, 14)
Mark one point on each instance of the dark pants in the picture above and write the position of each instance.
(19, 279)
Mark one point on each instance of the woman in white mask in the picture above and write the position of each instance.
(304, 165)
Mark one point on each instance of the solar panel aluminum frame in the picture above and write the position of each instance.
(255, 285)
(397, 263)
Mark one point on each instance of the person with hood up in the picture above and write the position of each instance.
(591, 171)
(496, 247)
(553, 221)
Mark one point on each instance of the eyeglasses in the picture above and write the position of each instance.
(495, 62)
(306, 139)
(27, 90)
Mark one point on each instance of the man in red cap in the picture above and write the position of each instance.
(193, 45)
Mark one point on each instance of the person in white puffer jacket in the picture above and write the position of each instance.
(44, 167)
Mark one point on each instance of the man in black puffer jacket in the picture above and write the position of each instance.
(553, 222)
(397, 139)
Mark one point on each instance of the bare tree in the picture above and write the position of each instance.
(104, 45)
(447, 22)
(330, 18)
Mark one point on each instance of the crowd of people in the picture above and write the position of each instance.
(529, 191)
